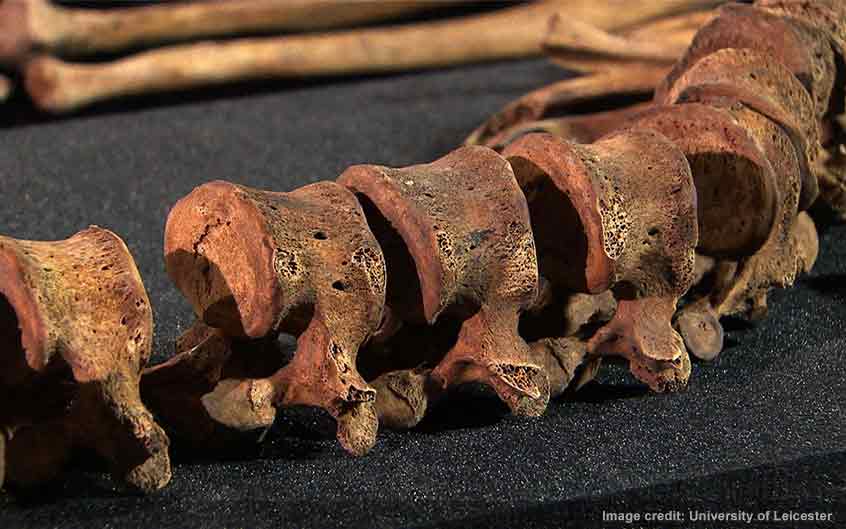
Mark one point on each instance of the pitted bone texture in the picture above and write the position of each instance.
(256, 263)
(457, 238)
(76, 328)
(788, 101)
(751, 115)
(629, 200)
(431, 268)
(758, 106)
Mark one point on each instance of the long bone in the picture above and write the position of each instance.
(76, 328)
(621, 214)
(628, 65)
(583, 47)
(255, 263)
(39, 25)
(59, 86)
(459, 248)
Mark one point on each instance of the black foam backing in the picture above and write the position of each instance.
(761, 428)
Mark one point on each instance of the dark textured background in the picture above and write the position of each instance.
(762, 428)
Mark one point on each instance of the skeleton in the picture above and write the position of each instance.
(752, 102)
(519, 271)
(38, 35)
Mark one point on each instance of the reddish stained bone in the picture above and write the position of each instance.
(806, 240)
(174, 389)
(776, 264)
(743, 287)
(581, 309)
(566, 322)
(736, 185)
(829, 17)
(729, 77)
(77, 328)
(566, 362)
(740, 288)
(765, 85)
(255, 263)
(832, 174)
(580, 128)
(616, 61)
(826, 14)
(558, 312)
(741, 196)
(405, 392)
(630, 82)
(645, 252)
(800, 47)
(452, 256)
(205, 356)
(615, 69)
(400, 369)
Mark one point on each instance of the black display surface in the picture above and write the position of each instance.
(761, 429)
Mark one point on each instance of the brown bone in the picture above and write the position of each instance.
(406, 392)
(736, 184)
(740, 288)
(763, 84)
(629, 82)
(618, 213)
(580, 128)
(562, 312)
(629, 64)
(205, 356)
(27, 25)
(58, 86)
(562, 327)
(255, 263)
(800, 47)
(738, 189)
(830, 18)
(832, 174)
(579, 46)
(826, 14)
(566, 362)
(76, 328)
(459, 247)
